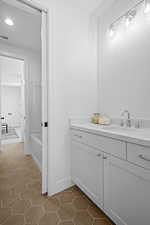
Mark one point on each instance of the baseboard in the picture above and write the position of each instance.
(11, 141)
(62, 185)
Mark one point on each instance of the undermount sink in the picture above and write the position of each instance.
(120, 129)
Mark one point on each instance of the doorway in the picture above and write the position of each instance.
(25, 37)
(12, 100)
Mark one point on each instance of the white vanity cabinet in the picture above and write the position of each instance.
(117, 178)
(126, 192)
(87, 171)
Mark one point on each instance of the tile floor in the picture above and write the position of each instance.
(21, 202)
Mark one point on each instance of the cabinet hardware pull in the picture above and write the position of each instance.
(142, 157)
(104, 157)
(78, 136)
(99, 155)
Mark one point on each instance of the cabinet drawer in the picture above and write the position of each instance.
(108, 145)
(139, 155)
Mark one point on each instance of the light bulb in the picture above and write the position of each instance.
(111, 31)
(128, 21)
(147, 7)
(129, 17)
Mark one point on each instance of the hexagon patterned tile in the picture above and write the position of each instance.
(21, 202)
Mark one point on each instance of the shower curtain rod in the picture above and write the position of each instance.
(11, 57)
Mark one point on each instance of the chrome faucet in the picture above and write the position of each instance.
(128, 120)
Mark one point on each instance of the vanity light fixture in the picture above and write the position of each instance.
(147, 6)
(9, 21)
(129, 15)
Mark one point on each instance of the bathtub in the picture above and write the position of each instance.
(36, 148)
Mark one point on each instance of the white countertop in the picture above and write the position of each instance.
(139, 136)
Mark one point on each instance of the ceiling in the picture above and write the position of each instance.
(88, 5)
(26, 31)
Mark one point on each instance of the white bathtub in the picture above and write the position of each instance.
(36, 148)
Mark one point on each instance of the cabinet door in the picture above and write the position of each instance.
(126, 192)
(87, 171)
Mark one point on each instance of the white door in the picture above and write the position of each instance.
(126, 192)
(44, 106)
(87, 171)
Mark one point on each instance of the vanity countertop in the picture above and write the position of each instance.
(139, 136)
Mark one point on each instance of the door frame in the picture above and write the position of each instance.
(45, 55)
(45, 85)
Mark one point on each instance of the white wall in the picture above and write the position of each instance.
(12, 70)
(124, 63)
(11, 103)
(11, 107)
(74, 82)
(33, 69)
